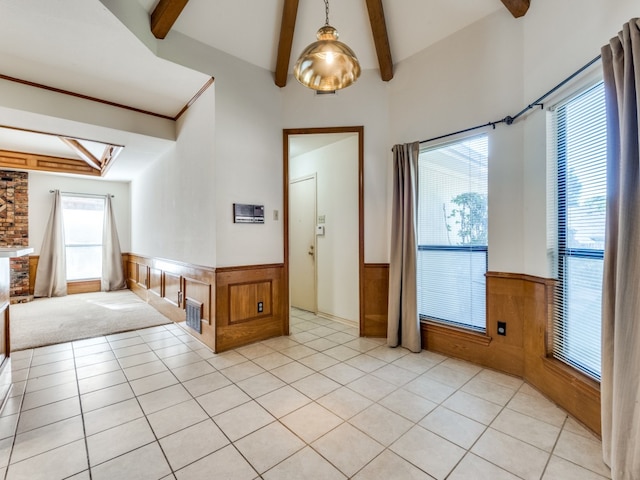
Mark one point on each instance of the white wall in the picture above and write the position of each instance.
(173, 211)
(248, 150)
(494, 68)
(489, 70)
(365, 103)
(40, 202)
(337, 261)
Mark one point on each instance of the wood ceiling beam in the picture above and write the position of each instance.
(517, 7)
(165, 15)
(380, 38)
(287, 27)
(82, 152)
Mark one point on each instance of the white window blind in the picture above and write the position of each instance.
(83, 218)
(579, 126)
(452, 232)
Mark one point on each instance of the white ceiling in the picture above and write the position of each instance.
(80, 46)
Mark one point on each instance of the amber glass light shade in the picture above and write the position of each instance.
(327, 64)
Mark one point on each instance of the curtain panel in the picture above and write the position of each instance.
(112, 270)
(620, 386)
(404, 324)
(51, 274)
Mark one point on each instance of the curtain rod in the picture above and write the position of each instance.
(510, 119)
(83, 194)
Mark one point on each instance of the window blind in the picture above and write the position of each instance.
(452, 232)
(579, 126)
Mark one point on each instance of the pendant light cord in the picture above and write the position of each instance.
(326, 12)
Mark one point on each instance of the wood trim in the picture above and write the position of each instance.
(165, 15)
(81, 96)
(285, 208)
(287, 27)
(45, 163)
(203, 89)
(83, 286)
(380, 38)
(82, 152)
(107, 102)
(457, 334)
(187, 275)
(73, 287)
(375, 299)
(517, 7)
(249, 281)
(522, 276)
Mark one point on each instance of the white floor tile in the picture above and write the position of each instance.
(311, 422)
(192, 443)
(442, 455)
(347, 448)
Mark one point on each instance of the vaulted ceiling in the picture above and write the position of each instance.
(79, 46)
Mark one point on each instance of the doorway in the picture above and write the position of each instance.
(302, 264)
(331, 161)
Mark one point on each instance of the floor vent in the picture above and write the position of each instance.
(194, 314)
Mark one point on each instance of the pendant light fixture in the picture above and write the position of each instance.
(327, 64)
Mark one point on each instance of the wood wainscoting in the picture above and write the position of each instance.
(239, 291)
(229, 297)
(166, 284)
(375, 299)
(525, 303)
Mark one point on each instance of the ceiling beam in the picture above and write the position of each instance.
(82, 152)
(517, 7)
(380, 38)
(165, 15)
(287, 27)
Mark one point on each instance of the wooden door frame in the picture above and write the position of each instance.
(359, 130)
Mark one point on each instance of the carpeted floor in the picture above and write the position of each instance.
(46, 321)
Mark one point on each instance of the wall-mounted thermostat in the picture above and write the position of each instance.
(319, 229)
(243, 213)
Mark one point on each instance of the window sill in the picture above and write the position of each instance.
(431, 327)
(572, 376)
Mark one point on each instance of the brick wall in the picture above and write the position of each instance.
(14, 227)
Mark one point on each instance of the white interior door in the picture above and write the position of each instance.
(302, 244)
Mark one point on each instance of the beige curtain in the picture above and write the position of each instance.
(51, 275)
(112, 271)
(620, 386)
(404, 324)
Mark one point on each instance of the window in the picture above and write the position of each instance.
(83, 218)
(452, 232)
(579, 126)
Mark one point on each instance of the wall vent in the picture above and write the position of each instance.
(194, 314)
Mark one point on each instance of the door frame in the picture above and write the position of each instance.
(313, 177)
(359, 130)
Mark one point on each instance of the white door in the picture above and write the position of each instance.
(302, 243)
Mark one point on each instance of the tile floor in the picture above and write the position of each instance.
(320, 404)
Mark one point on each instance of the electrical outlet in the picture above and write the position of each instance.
(260, 307)
(502, 328)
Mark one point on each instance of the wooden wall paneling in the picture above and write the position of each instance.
(244, 299)
(575, 392)
(28, 161)
(155, 281)
(143, 276)
(172, 288)
(169, 283)
(375, 300)
(33, 268)
(84, 286)
(237, 292)
(200, 292)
